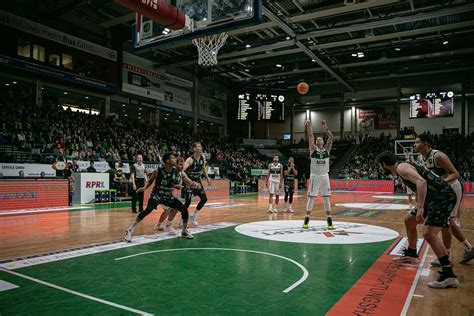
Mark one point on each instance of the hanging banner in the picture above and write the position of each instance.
(27, 26)
(178, 99)
(211, 107)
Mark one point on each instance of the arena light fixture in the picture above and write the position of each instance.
(247, 46)
(65, 93)
(14, 82)
(445, 42)
(279, 65)
(398, 49)
(87, 97)
(123, 104)
(354, 55)
(7, 84)
(288, 38)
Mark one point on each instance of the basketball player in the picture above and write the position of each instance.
(319, 177)
(274, 183)
(168, 212)
(410, 194)
(194, 168)
(290, 173)
(436, 200)
(439, 163)
(166, 179)
(139, 178)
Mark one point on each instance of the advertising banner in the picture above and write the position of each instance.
(178, 99)
(33, 193)
(30, 170)
(27, 26)
(54, 73)
(86, 184)
(363, 185)
(143, 82)
(369, 119)
(211, 107)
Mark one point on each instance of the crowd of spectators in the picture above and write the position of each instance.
(361, 164)
(59, 133)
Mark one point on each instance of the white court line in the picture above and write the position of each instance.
(301, 280)
(414, 284)
(57, 287)
(392, 197)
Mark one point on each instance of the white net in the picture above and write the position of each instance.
(208, 47)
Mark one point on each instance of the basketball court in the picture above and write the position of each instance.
(244, 261)
(241, 261)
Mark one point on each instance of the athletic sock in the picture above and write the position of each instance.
(168, 223)
(412, 252)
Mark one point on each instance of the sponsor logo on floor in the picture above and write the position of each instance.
(93, 249)
(375, 206)
(363, 214)
(43, 210)
(317, 233)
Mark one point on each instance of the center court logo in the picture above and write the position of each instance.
(292, 231)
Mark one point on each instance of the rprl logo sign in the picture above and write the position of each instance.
(95, 185)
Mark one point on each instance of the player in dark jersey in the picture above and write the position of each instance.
(166, 179)
(289, 173)
(436, 199)
(195, 168)
(169, 213)
(439, 163)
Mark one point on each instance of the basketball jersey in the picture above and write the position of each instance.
(289, 178)
(435, 184)
(165, 182)
(194, 172)
(275, 172)
(319, 161)
(139, 170)
(430, 162)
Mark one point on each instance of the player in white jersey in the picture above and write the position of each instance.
(274, 183)
(439, 163)
(319, 177)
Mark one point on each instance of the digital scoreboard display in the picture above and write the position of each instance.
(261, 107)
(432, 105)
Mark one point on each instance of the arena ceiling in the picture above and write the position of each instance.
(322, 42)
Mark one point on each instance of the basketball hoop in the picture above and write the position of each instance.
(208, 47)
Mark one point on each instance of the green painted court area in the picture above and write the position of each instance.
(194, 282)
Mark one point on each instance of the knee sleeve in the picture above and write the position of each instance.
(310, 204)
(327, 205)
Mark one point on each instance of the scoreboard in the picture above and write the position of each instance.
(261, 107)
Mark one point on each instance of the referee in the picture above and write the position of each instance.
(138, 177)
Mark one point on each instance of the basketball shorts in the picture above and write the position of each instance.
(319, 183)
(274, 187)
(438, 209)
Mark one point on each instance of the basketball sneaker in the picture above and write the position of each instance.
(128, 235)
(306, 222)
(444, 282)
(467, 256)
(180, 225)
(158, 226)
(186, 234)
(270, 209)
(407, 257)
(329, 220)
(290, 210)
(170, 230)
(193, 219)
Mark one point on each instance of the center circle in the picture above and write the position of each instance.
(317, 233)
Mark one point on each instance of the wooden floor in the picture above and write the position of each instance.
(26, 235)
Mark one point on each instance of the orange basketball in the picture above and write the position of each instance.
(302, 88)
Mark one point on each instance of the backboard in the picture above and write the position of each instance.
(204, 17)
